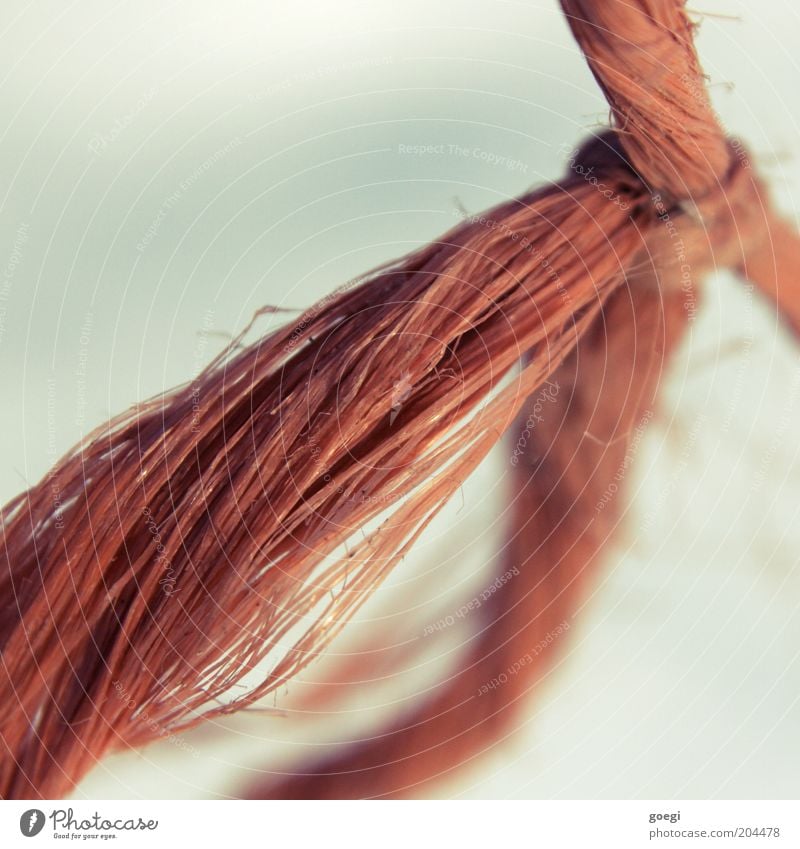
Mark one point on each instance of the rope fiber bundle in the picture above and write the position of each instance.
(108, 639)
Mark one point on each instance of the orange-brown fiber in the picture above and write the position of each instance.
(642, 54)
(199, 550)
(561, 517)
(116, 634)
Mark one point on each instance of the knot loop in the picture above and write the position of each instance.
(641, 54)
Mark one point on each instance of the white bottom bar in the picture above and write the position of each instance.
(584, 824)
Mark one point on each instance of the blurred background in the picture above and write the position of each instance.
(168, 168)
